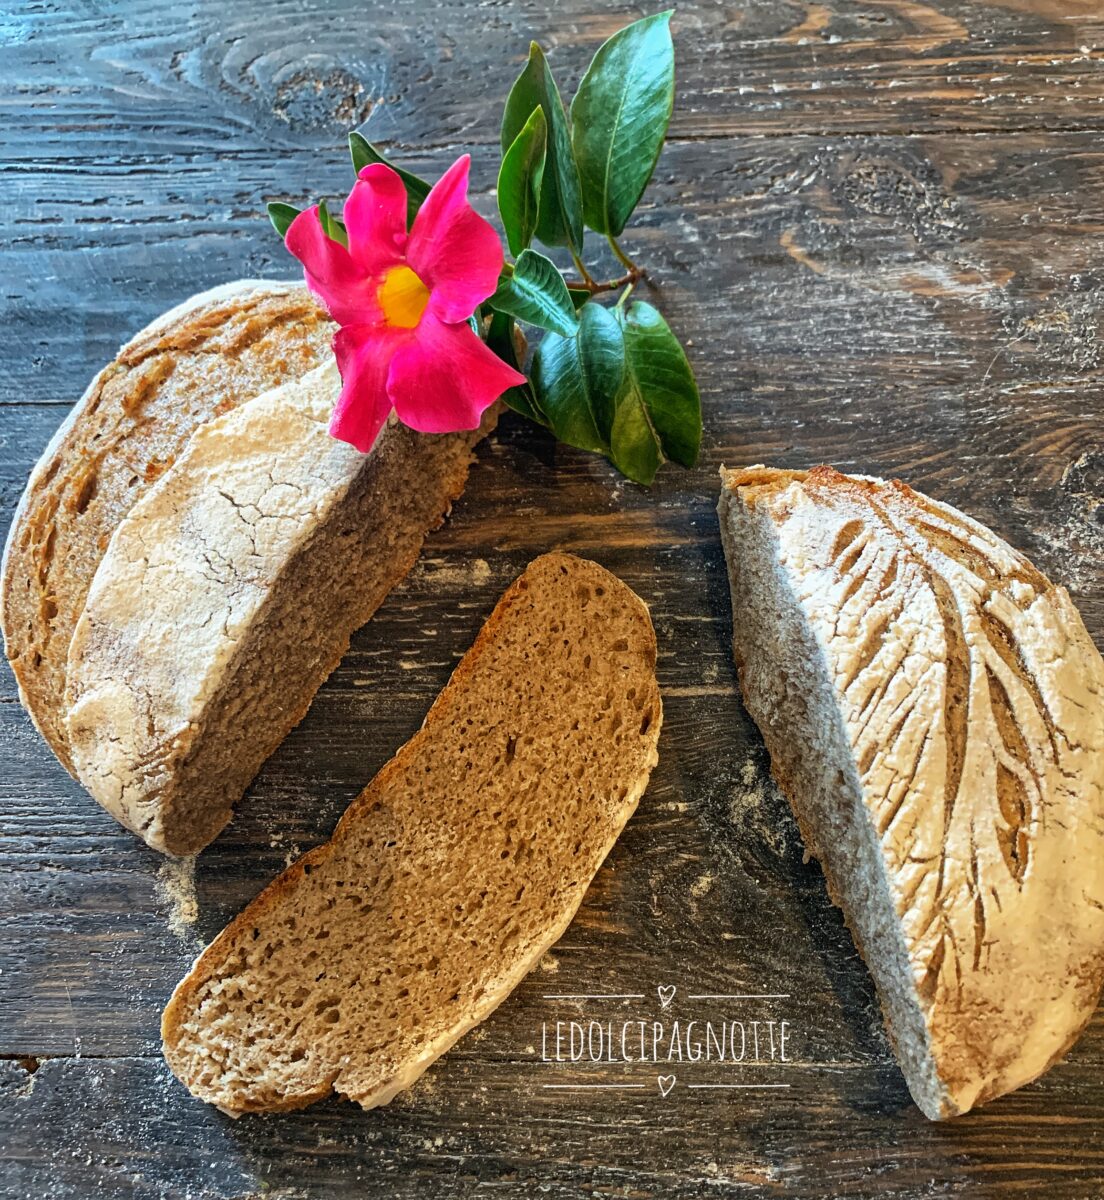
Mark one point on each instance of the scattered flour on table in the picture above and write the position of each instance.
(471, 574)
(754, 804)
(702, 886)
(176, 882)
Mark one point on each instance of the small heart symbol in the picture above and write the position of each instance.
(666, 995)
(666, 1083)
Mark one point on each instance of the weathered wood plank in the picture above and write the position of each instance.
(227, 81)
(950, 261)
(902, 278)
(455, 1136)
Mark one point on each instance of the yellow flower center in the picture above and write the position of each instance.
(402, 298)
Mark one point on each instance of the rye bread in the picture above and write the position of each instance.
(229, 593)
(934, 710)
(201, 359)
(458, 866)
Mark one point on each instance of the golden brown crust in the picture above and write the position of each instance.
(193, 364)
(219, 955)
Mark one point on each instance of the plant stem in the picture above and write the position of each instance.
(608, 285)
(625, 294)
(580, 266)
(622, 257)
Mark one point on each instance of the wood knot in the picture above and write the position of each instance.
(313, 99)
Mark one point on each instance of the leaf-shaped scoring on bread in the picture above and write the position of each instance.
(942, 639)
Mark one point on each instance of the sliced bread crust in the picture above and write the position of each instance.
(228, 594)
(934, 709)
(202, 358)
(458, 866)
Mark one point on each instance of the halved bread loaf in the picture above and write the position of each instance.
(199, 360)
(934, 710)
(230, 591)
(457, 867)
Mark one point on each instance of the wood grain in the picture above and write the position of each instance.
(880, 226)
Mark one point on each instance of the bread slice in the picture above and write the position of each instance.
(457, 867)
(934, 710)
(230, 591)
(201, 359)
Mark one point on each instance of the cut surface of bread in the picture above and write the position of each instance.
(199, 360)
(228, 594)
(934, 710)
(458, 866)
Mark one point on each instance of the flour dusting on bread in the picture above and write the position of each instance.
(934, 708)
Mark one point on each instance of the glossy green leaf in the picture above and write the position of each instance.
(281, 216)
(560, 215)
(331, 226)
(519, 182)
(535, 291)
(501, 339)
(619, 118)
(576, 379)
(622, 387)
(634, 447)
(657, 370)
(363, 153)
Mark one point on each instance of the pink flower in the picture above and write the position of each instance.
(403, 301)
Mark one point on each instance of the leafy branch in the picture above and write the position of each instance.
(612, 379)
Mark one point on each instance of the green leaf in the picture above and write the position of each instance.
(577, 379)
(500, 338)
(331, 226)
(519, 182)
(535, 291)
(560, 216)
(363, 153)
(634, 447)
(619, 118)
(657, 370)
(281, 216)
(579, 296)
(622, 387)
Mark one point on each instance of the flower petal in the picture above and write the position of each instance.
(363, 356)
(375, 216)
(453, 249)
(331, 272)
(444, 377)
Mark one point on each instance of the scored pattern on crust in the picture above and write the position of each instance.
(973, 698)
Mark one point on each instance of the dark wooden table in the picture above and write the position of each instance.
(880, 224)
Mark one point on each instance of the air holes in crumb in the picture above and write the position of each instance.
(620, 644)
(646, 724)
(87, 491)
(511, 746)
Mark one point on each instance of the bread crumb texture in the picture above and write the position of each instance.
(452, 873)
(934, 708)
(230, 591)
(201, 359)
